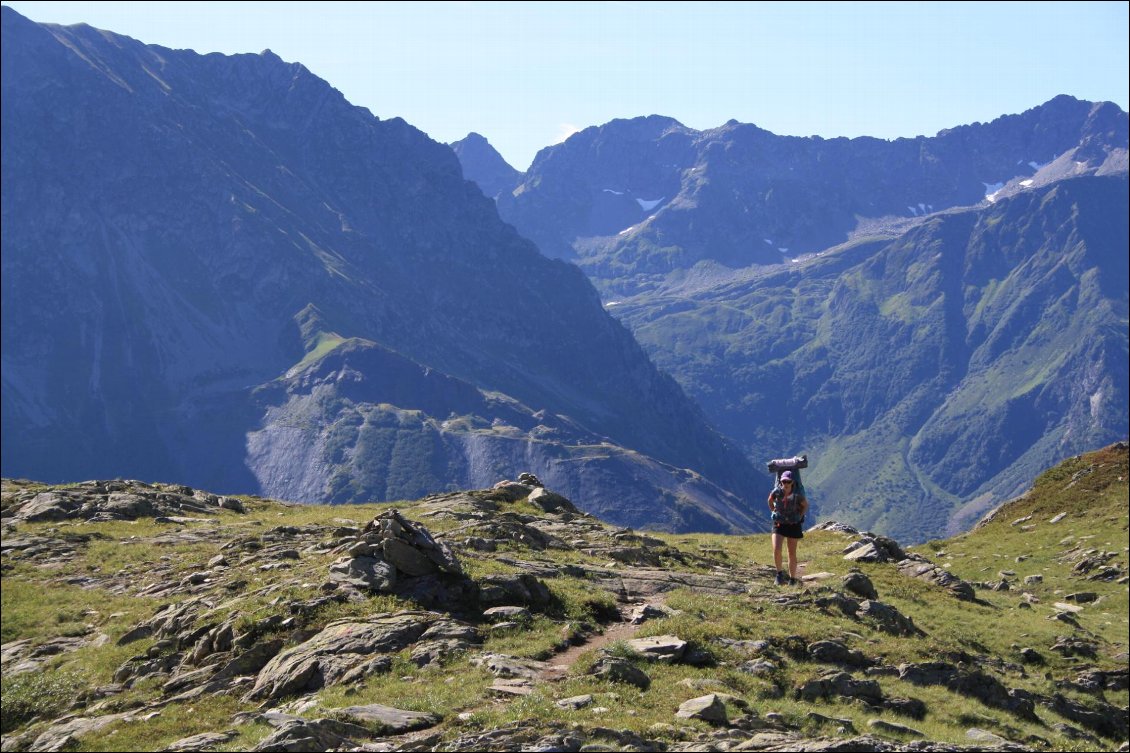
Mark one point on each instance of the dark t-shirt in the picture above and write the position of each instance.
(788, 506)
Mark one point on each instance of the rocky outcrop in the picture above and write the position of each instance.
(394, 555)
(343, 647)
(94, 501)
(872, 548)
(919, 567)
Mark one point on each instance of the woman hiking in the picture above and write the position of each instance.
(787, 506)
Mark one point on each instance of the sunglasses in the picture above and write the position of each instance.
(786, 482)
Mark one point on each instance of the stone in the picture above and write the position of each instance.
(518, 686)
(918, 567)
(364, 572)
(708, 708)
(662, 648)
(843, 725)
(202, 742)
(976, 684)
(519, 614)
(62, 735)
(549, 501)
(1103, 718)
(341, 646)
(510, 666)
(575, 702)
(840, 685)
(865, 553)
(406, 558)
(1082, 597)
(887, 618)
(834, 652)
(508, 590)
(912, 707)
(645, 612)
(984, 737)
(386, 719)
(860, 585)
(620, 670)
(314, 735)
(879, 725)
(762, 667)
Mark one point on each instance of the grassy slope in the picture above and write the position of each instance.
(40, 603)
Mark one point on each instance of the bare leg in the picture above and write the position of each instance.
(778, 539)
(793, 562)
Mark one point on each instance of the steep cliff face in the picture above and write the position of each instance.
(926, 374)
(171, 220)
(634, 201)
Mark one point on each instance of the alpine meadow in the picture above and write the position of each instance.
(321, 434)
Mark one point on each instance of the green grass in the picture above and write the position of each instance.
(989, 633)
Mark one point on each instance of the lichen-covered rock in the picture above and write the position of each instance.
(342, 646)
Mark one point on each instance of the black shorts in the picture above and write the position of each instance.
(789, 530)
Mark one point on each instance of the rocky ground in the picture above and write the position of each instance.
(289, 622)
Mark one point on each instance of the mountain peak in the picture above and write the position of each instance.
(485, 166)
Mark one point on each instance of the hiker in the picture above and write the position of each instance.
(788, 507)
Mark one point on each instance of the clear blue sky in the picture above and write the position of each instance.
(526, 74)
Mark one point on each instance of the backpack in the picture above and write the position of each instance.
(794, 464)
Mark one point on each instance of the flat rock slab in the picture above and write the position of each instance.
(204, 741)
(662, 648)
(391, 720)
(513, 687)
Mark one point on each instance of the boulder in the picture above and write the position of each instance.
(365, 573)
(314, 735)
(387, 720)
(840, 685)
(661, 648)
(860, 585)
(922, 569)
(202, 742)
(834, 652)
(976, 684)
(620, 670)
(708, 708)
(887, 618)
(549, 501)
(344, 645)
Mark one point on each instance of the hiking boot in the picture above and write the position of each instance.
(782, 579)
(793, 581)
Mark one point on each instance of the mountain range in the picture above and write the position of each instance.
(218, 271)
(932, 320)
(635, 200)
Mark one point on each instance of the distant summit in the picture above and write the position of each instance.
(635, 201)
(485, 166)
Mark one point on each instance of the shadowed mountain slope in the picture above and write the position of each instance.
(181, 229)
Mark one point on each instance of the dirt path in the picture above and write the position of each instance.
(623, 630)
(561, 663)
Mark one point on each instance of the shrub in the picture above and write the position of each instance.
(36, 694)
